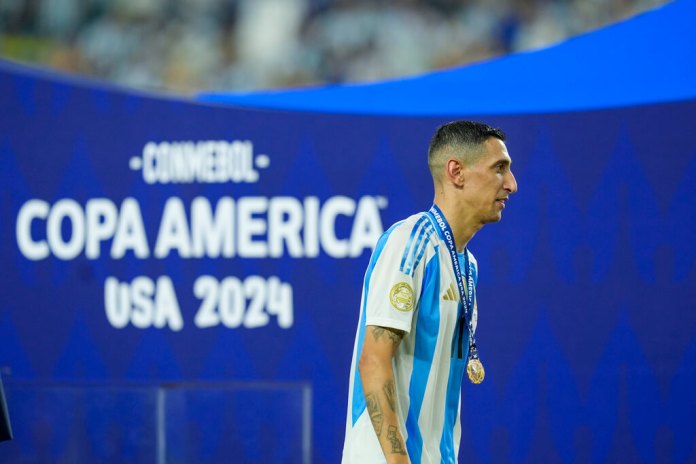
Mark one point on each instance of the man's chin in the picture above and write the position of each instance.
(494, 218)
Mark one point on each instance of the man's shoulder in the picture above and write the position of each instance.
(407, 244)
(409, 240)
(414, 226)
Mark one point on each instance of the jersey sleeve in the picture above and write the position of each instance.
(396, 275)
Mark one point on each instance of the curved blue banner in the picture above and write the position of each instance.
(646, 59)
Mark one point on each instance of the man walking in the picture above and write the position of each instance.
(416, 334)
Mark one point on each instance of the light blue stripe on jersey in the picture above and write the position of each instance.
(454, 389)
(409, 245)
(426, 338)
(429, 230)
(358, 400)
(420, 241)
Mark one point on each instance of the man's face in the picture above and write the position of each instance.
(488, 182)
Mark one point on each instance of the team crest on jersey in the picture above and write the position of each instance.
(401, 297)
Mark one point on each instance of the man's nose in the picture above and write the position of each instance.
(510, 183)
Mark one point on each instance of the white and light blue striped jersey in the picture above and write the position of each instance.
(410, 285)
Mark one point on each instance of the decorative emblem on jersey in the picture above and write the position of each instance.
(401, 297)
(451, 294)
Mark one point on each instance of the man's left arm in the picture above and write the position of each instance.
(377, 374)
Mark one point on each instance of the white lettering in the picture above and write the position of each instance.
(232, 302)
(173, 233)
(248, 226)
(284, 226)
(167, 311)
(211, 235)
(311, 228)
(70, 210)
(142, 290)
(101, 224)
(130, 232)
(248, 303)
(332, 208)
(116, 303)
(149, 167)
(207, 161)
(32, 209)
(143, 303)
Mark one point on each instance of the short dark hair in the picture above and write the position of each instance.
(468, 136)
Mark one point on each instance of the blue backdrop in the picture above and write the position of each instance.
(159, 241)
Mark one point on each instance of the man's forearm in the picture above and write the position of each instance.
(380, 396)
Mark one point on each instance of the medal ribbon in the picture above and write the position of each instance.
(466, 310)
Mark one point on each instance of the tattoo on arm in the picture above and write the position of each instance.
(375, 412)
(377, 332)
(397, 446)
(390, 393)
(394, 335)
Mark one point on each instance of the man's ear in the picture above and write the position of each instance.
(455, 172)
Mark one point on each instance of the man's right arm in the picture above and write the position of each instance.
(377, 376)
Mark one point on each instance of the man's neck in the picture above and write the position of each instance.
(463, 226)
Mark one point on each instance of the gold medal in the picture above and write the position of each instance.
(474, 369)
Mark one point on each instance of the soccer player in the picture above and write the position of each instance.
(416, 333)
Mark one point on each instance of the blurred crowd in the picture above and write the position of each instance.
(193, 45)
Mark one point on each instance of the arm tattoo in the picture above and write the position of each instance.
(377, 332)
(390, 393)
(393, 334)
(397, 446)
(375, 412)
